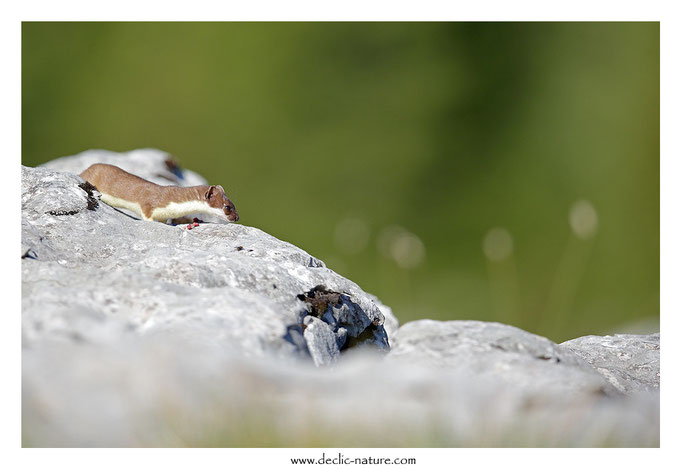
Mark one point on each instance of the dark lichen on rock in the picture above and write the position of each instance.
(89, 189)
(319, 299)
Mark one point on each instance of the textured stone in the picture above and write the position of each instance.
(321, 342)
(178, 389)
(630, 362)
(500, 353)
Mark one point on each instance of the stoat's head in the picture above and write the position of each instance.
(216, 198)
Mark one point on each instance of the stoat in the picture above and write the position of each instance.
(155, 202)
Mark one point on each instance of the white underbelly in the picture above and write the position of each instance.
(123, 204)
(173, 210)
(176, 210)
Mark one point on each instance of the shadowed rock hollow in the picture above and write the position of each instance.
(144, 334)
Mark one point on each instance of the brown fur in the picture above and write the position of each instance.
(116, 182)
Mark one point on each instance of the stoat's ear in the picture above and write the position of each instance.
(210, 191)
(221, 189)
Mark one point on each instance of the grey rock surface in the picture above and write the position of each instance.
(629, 362)
(170, 389)
(144, 334)
(503, 353)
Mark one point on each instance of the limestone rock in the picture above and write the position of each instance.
(321, 341)
(178, 389)
(630, 362)
(499, 353)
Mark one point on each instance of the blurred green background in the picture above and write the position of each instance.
(495, 171)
